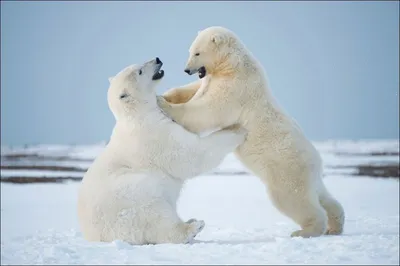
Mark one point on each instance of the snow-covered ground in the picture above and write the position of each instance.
(39, 221)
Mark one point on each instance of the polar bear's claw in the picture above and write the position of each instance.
(194, 228)
(333, 231)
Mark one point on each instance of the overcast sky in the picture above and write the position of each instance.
(333, 66)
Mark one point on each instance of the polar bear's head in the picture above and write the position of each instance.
(133, 88)
(215, 49)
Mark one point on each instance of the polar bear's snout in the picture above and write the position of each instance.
(155, 67)
(202, 71)
(158, 73)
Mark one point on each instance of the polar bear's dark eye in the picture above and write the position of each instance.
(123, 96)
(197, 54)
(140, 72)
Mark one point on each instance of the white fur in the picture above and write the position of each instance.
(130, 191)
(235, 90)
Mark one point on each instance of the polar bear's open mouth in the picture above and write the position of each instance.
(159, 73)
(202, 72)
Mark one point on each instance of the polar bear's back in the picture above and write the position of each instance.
(117, 206)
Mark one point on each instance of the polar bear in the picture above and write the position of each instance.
(233, 89)
(129, 193)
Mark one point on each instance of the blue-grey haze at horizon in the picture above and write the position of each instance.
(333, 66)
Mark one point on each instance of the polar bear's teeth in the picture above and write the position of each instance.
(158, 75)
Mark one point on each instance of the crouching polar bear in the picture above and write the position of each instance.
(233, 89)
(130, 191)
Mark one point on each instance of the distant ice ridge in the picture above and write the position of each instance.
(91, 151)
(338, 157)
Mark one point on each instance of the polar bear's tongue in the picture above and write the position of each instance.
(158, 75)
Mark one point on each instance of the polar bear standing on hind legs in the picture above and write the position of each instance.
(233, 89)
(130, 191)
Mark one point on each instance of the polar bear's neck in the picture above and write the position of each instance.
(138, 120)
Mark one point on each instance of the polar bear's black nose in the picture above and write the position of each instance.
(187, 71)
(158, 61)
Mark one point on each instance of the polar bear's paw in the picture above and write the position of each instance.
(191, 221)
(194, 228)
(162, 102)
(306, 233)
(334, 231)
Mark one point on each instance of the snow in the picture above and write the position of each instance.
(39, 173)
(359, 146)
(83, 152)
(39, 226)
(39, 221)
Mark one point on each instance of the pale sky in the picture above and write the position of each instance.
(333, 66)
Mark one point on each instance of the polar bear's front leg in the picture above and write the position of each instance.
(199, 115)
(182, 94)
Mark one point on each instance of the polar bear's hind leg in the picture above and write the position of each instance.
(305, 210)
(175, 232)
(335, 213)
(167, 227)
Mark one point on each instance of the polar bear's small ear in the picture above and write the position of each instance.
(218, 39)
(110, 79)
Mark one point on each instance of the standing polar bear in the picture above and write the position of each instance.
(233, 89)
(130, 191)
